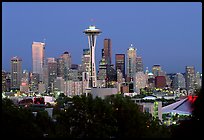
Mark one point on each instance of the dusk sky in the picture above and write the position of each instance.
(169, 34)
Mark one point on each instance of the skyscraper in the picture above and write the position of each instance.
(139, 64)
(131, 63)
(156, 69)
(52, 72)
(3, 81)
(25, 81)
(66, 56)
(92, 33)
(179, 81)
(86, 60)
(25, 78)
(102, 75)
(198, 80)
(139, 81)
(34, 80)
(190, 77)
(38, 57)
(120, 63)
(60, 67)
(107, 50)
(16, 72)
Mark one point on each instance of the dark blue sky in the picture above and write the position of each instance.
(169, 34)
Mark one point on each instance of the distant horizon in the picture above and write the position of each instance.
(168, 34)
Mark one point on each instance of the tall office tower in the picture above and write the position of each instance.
(86, 67)
(73, 73)
(45, 75)
(25, 78)
(92, 33)
(34, 80)
(190, 77)
(38, 57)
(131, 63)
(25, 81)
(66, 56)
(60, 67)
(16, 72)
(198, 80)
(139, 64)
(107, 50)
(156, 69)
(3, 81)
(179, 81)
(139, 81)
(8, 81)
(119, 76)
(111, 77)
(120, 63)
(86, 60)
(52, 72)
(102, 75)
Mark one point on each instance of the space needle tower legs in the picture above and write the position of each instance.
(92, 33)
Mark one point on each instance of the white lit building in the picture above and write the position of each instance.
(139, 81)
(38, 58)
(179, 81)
(59, 84)
(198, 80)
(75, 87)
(103, 92)
(131, 63)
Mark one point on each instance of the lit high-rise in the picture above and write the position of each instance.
(156, 69)
(86, 60)
(139, 64)
(131, 63)
(16, 72)
(38, 58)
(179, 81)
(66, 56)
(52, 71)
(190, 77)
(120, 63)
(107, 50)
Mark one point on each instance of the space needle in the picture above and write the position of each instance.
(92, 33)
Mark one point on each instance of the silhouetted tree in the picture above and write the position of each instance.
(193, 127)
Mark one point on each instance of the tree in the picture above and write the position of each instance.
(18, 122)
(192, 128)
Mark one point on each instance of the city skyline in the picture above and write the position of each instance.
(168, 34)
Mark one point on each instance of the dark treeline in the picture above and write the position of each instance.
(85, 117)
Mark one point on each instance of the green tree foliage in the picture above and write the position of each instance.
(84, 117)
(21, 123)
(18, 122)
(113, 117)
